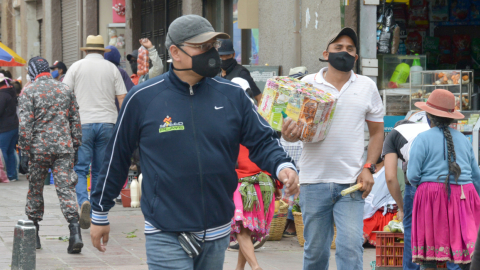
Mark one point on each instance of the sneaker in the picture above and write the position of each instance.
(85, 215)
(235, 247)
(13, 180)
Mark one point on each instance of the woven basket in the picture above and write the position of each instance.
(277, 226)
(299, 228)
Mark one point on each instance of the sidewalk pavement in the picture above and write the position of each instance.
(126, 246)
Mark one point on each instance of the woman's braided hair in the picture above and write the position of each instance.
(442, 123)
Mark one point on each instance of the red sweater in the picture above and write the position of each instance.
(247, 168)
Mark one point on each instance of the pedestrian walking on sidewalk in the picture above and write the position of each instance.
(59, 70)
(231, 69)
(328, 167)
(188, 125)
(8, 126)
(50, 135)
(96, 83)
(443, 167)
(397, 146)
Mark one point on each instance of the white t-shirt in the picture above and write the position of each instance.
(338, 158)
(96, 82)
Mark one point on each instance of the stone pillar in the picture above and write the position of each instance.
(24, 254)
(53, 30)
(192, 7)
(8, 27)
(133, 26)
(90, 19)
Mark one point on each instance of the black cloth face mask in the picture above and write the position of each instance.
(134, 67)
(228, 63)
(342, 61)
(206, 64)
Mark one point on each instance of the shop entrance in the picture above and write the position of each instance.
(156, 17)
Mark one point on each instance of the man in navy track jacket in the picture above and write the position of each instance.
(188, 125)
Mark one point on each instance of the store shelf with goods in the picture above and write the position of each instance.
(459, 82)
(396, 101)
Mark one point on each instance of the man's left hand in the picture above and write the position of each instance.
(146, 43)
(290, 179)
(366, 178)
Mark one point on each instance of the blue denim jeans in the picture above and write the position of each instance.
(95, 138)
(407, 226)
(322, 206)
(164, 252)
(8, 140)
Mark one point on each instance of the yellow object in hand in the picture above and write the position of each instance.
(277, 206)
(351, 189)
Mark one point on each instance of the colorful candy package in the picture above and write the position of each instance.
(142, 61)
(310, 108)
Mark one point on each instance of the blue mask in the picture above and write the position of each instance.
(428, 121)
(54, 74)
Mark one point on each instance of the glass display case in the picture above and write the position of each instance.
(116, 37)
(398, 65)
(459, 82)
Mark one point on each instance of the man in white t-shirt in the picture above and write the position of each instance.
(96, 83)
(330, 166)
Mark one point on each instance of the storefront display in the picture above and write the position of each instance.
(459, 82)
(446, 37)
(116, 37)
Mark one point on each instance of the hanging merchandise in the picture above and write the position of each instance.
(384, 44)
(414, 43)
(396, 39)
(142, 61)
(402, 49)
(431, 48)
(475, 11)
(119, 9)
(438, 11)
(459, 10)
(461, 49)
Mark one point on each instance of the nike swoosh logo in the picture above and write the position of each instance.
(218, 108)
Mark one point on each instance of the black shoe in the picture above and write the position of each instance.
(38, 245)
(75, 242)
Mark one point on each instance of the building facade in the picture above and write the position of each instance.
(289, 33)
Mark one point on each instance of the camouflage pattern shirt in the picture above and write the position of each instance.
(49, 118)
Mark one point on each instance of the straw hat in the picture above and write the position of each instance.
(95, 43)
(441, 103)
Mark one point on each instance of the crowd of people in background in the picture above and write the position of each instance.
(93, 118)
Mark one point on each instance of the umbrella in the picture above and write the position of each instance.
(9, 58)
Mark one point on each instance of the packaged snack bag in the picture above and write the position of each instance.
(438, 11)
(459, 10)
(475, 11)
(142, 61)
(430, 47)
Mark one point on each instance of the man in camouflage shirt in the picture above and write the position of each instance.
(49, 137)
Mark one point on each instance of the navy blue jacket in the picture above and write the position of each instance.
(189, 141)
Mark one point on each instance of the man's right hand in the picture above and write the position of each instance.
(99, 235)
(290, 133)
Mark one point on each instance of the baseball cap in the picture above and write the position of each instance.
(60, 65)
(226, 48)
(134, 54)
(347, 31)
(191, 29)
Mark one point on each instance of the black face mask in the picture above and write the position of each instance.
(341, 61)
(206, 64)
(134, 67)
(228, 63)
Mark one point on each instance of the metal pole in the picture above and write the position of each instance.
(24, 253)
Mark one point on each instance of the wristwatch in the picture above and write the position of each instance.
(370, 167)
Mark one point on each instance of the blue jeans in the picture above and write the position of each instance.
(8, 140)
(95, 138)
(164, 252)
(407, 226)
(322, 206)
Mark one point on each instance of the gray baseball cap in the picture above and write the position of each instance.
(191, 29)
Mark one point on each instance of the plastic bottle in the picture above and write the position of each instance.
(140, 179)
(416, 77)
(134, 194)
(400, 75)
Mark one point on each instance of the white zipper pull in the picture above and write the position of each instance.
(191, 90)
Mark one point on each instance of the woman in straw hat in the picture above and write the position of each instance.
(446, 208)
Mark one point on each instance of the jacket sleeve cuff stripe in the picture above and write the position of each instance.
(286, 165)
(100, 218)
